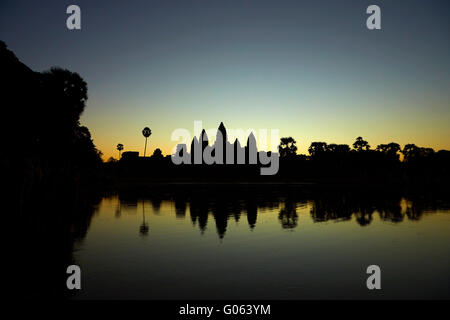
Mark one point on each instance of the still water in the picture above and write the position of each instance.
(269, 248)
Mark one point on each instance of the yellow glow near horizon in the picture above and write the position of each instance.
(106, 138)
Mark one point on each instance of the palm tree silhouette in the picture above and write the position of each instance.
(120, 148)
(146, 132)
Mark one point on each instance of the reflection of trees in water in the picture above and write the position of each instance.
(335, 207)
(332, 208)
(223, 206)
(391, 210)
(326, 207)
(343, 208)
(338, 206)
(49, 231)
(415, 208)
(388, 207)
(414, 212)
(288, 214)
(364, 217)
(49, 236)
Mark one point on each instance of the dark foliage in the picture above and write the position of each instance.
(46, 147)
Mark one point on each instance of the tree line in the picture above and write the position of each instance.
(383, 163)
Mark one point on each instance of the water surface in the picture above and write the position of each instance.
(268, 247)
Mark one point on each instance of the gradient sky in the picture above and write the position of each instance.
(308, 68)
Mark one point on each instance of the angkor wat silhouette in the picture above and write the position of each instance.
(224, 152)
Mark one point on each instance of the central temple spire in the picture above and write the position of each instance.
(223, 131)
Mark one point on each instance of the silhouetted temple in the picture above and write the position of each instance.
(222, 150)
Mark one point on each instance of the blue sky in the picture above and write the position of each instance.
(308, 68)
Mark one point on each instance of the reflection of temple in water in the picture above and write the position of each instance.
(219, 207)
